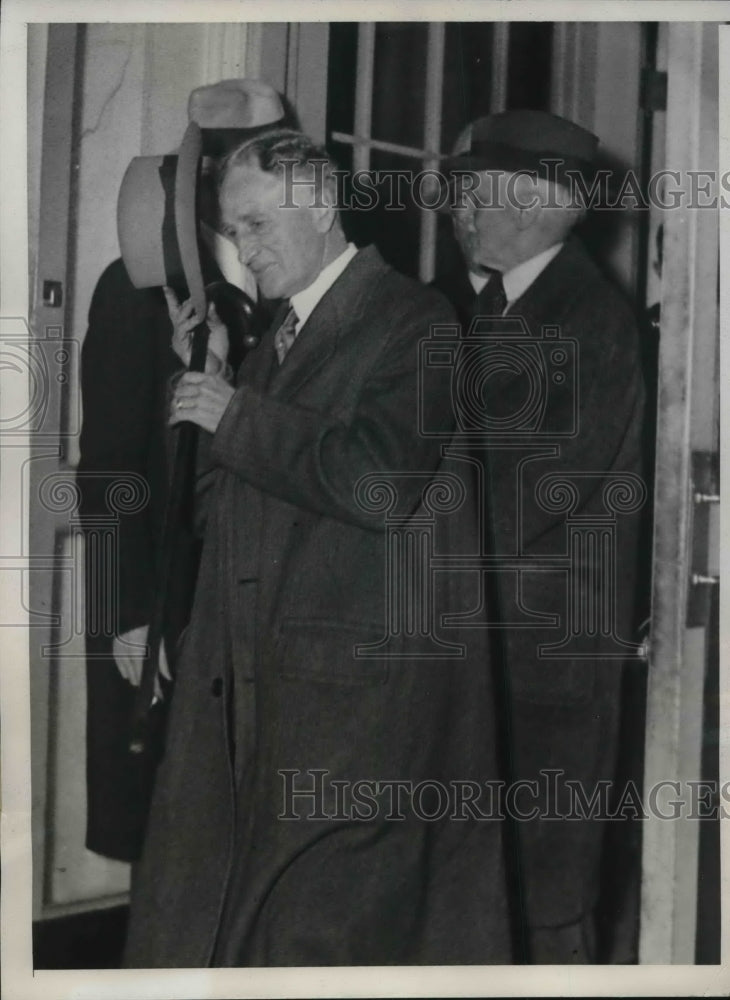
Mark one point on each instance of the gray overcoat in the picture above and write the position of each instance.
(293, 576)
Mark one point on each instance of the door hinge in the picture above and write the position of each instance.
(704, 553)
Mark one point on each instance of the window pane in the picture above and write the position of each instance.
(341, 77)
(354, 226)
(467, 77)
(342, 153)
(448, 254)
(399, 82)
(392, 222)
(530, 53)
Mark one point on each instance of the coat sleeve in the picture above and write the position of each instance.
(314, 459)
(119, 386)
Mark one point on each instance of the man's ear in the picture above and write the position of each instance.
(526, 201)
(466, 217)
(324, 209)
(527, 217)
(324, 215)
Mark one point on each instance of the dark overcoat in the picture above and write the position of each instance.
(293, 576)
(126, 364)
(588, 437)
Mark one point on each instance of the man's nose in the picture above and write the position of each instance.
(247, 250)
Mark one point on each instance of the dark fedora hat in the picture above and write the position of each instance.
(524, 140)
(157, 220)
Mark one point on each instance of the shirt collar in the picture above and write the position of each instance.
(518, 279)
(304, 302)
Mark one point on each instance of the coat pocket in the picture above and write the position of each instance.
(311, 649)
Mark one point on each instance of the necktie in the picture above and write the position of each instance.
(492, 300)
(286, 334)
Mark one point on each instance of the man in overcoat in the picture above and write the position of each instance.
(126, 363)
(560, 403)
(278, 832)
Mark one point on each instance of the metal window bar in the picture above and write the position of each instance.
(500, 65)
(364, 95)
(363, 142)
(387, 147)
(432, 140)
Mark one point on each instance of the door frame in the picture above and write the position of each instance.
(686, 423)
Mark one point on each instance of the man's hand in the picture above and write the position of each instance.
(201, 399)
(129, 651)
(184, 320)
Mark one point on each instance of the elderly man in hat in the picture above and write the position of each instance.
(562, 411)
(126, 363)
(301, 815)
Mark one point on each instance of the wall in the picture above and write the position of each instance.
(131, 100)
(136, 81)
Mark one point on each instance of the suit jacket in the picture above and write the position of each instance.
(565, 712)
(293, 576)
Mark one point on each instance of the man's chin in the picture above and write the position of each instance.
(268, 286)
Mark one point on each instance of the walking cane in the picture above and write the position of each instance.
(238, 311)
(178, 502)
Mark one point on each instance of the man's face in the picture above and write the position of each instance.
(484, 223)
(284, 247)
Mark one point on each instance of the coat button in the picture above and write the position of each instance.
(216, 687)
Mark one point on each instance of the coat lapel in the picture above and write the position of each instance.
(317, 341)
(550, 297)
(334, 316)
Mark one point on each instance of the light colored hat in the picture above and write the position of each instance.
(235, 104)
(157, 220)
(156, 211)
(233, 110)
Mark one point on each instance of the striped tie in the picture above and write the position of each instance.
(286, 335)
